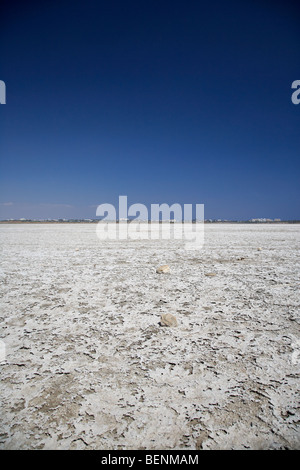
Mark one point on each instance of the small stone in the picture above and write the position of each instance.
(163, 269)
(210, 274)
(167, 319)
(259, 248)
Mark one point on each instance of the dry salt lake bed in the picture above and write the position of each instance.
(87, 365)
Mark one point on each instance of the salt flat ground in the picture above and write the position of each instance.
(87, 365)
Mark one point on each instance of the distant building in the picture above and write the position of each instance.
(264, 219)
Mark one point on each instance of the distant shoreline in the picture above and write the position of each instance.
(79, 221)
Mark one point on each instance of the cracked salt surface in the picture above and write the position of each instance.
(86, 364)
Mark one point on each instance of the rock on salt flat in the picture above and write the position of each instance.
(163, 269)
(167, 319)
(87, 365)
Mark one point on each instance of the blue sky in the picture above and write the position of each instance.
(165, 102)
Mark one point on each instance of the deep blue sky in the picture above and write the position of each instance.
(162, 101)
